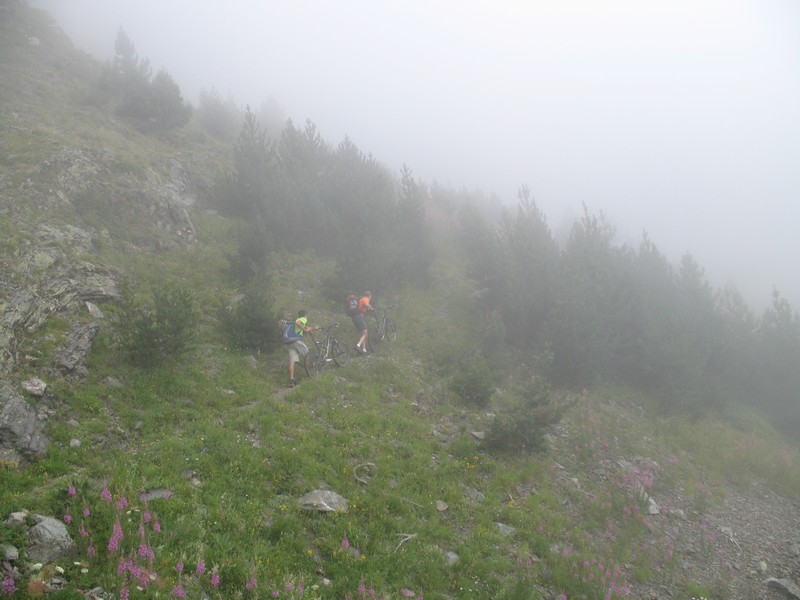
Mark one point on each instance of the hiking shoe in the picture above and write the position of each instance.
(358, 349)
(292, 383)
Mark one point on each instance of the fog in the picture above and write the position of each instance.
(680, 118)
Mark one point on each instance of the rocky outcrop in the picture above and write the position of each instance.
(21, 437)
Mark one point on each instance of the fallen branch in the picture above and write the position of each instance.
(406, 537)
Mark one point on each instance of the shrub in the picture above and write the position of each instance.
(474, 384)
(529, 415)
(163, 330)
(251, 323)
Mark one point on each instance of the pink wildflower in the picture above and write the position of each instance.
(251, 585)
(179, 566)
(406, 592)
(8, 588)
(86, 511)
(147, 516)
(362, 588)
(116, 537)
(215, 579)
(345, 544)
(146, 551)
(106, 494)
(178, 591)
(67, 518)
(124, 593)
(275, 593)
(122, 503)
(201, 568)
(91, 550)
(71, 491)
(157, 527)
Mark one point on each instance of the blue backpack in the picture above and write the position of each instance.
(288, 334)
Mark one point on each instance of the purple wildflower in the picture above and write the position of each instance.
(67, 518)
(201, 568)
(179, 566)
(71, 491)
(251, 585)
(215, 579)
(122, 503)
(86, 511)
(8, 588)
(124, 593)
(178, 591)
(116, 537)
(147, 516)
(106, 494)
(345, 544)
(146, 551)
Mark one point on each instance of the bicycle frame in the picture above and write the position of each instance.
(326, 351)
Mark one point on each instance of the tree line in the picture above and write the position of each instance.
(614, 313)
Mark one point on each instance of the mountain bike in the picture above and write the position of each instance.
(384, 328)
(326, 351)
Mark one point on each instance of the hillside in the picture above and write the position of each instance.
(129, 472)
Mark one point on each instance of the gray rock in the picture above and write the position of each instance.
(451, 558)
(9, 552)
(787, 587)
(49, 540)
(474, 494)
(72, 358)
(324, 501)
(94, 310)
(15, 519)
(34, 386)
(506, 530)
(21, 437)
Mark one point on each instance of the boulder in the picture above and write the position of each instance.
(48, 540)
(21, 437)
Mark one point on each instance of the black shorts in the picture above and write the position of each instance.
(359, 322)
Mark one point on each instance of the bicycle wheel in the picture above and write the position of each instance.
(317, 362)
(391, 331)
(308, 361)
(376, 335)
(340, 354)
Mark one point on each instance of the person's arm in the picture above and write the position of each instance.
(299, 323)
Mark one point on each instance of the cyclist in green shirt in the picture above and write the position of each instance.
(298, 349)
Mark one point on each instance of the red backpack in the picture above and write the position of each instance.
(351, 305)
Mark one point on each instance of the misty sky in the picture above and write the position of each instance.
(678, 117)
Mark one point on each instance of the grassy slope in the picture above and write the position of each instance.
(235, 449)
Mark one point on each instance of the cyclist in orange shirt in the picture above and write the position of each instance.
(364, 306)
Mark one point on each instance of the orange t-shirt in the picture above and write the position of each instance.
(364, 306)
